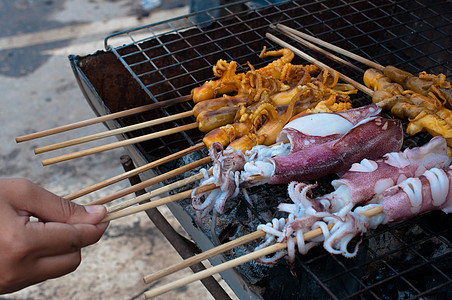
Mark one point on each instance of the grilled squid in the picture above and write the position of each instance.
(432, 190)
(210, 120)
(370, 138)
(318, 150)
(369, 178)
(365, 182)
(224, 85)
(275, 68)
(272, 111)
(413, 196)
(269, 122)
(424, 84)
(216, 103)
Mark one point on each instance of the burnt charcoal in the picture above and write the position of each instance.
(318, 275)
(435, 221)
(407, 269)
(283, 285)
(242, 213)
(227, 233)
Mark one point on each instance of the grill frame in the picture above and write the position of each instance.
(323, 20)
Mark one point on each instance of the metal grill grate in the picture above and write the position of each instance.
(167, 59)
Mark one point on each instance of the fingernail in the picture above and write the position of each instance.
(94, 209)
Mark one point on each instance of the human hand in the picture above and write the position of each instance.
(32, 252)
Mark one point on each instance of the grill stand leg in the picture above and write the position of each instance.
(184, 247)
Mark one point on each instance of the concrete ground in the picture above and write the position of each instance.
(39, 91)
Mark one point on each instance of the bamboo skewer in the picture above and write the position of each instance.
(104, 118)
(135, 171)
(115, 145)
(302, 41)
(151, 181)
(225, 266)
(305, 36)
(159, 191)
(143, 207)
(303, 55)
(112, 132)
(204, 255)
(241, 260)
(173, 198)
(215, 251)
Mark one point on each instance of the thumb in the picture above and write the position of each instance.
(91, 214)
(64, 211)
(49, 207)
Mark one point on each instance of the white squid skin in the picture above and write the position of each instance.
(320, 128)
(343, 232)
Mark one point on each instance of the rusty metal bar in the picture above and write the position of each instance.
(183, 246)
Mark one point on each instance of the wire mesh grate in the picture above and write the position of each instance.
(168, 59)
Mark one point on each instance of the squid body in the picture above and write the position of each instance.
(326, 143)
(320, 144)
(403, 183)
(416, 195)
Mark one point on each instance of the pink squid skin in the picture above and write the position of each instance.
(397, 206)
(356, 115)
(371, 140)
(300, 141)
(362, 186)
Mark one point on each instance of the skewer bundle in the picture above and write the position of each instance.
(424, 100)
(150, 278)
(253, 86)
(336, 229)
(120, 210)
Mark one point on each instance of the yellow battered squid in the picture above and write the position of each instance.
(216, 112)
(261, 123)
(421, 104)
(261, 101)
(430, 85)
(229, 81)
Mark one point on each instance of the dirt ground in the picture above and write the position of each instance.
(39, 91)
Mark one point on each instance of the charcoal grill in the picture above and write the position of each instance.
(166, 60)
